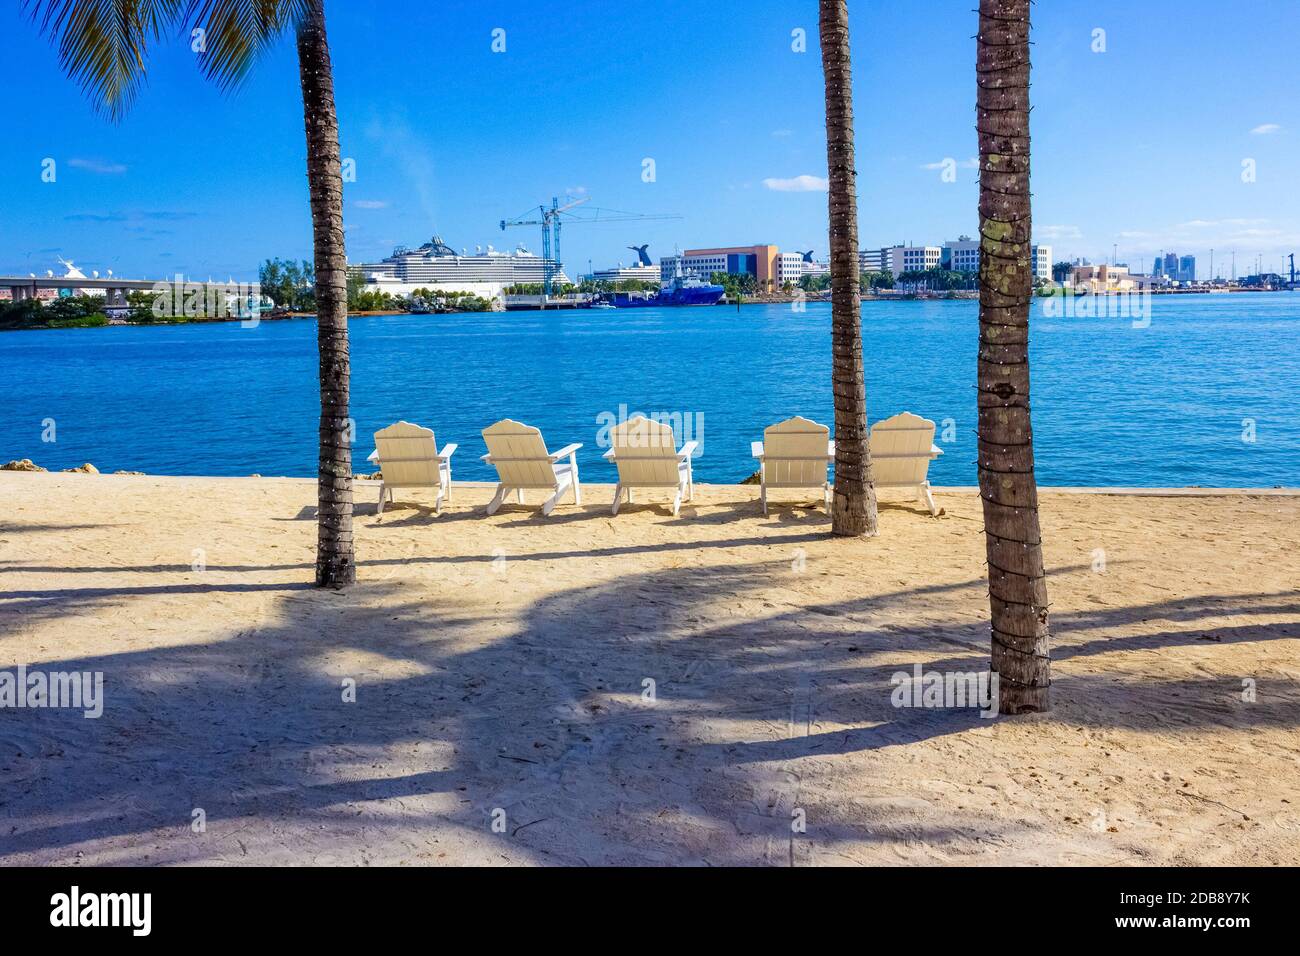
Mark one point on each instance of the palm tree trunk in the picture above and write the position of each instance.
(1017, 583)
(855, 494)
(335, 563)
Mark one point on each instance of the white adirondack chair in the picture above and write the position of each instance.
(522, 461)
(645, 453)
(794, 453)
(902, 448)
(409, 458)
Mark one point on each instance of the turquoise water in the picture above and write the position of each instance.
(1113, 404)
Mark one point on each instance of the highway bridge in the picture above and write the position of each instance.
(115, 290)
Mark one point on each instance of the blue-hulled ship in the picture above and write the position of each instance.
(683, 290)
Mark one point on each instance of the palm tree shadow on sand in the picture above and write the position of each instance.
(543, 720)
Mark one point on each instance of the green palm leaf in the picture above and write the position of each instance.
(102, 43)
(238, 32)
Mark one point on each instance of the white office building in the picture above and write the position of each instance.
(911, 258)
(963, 255)
(1042, 263)
(789, 268)
(872, 260)
(622, 273)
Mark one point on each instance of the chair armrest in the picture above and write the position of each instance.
(609, 454)
(935, 451)
(566, 451)
(486, 458)
(448, 450)
(688, 449)
(756, 449)
(830, 449)
(373, 456)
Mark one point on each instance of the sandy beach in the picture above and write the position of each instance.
(502, 671)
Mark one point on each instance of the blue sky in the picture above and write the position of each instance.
(1141, 145)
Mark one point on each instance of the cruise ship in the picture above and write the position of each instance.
(436, 265)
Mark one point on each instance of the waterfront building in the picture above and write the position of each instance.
(1042, 257)
(1174, 268)
(961, 255)
(789, 268)
(902, 259)
(872, 260)
(622, 273)
(1104, 278)
(759, 261)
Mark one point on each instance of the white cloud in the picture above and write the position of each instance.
(95, 166)
(1265, 128)
(1057, 233)
(1207, 223)
(1198, 236)
(782, 133)
(799, 184)
(370, 203)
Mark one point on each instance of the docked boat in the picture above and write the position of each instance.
(437, 265)
(683, 290)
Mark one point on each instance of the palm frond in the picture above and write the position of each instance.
(238, 32)
(103, 44)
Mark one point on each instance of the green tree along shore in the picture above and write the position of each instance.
(289, 285)
(83, 312)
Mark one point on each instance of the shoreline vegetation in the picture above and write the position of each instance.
(87, 312)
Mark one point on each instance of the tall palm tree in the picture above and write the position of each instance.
(855, 493)
(103, 44)
(1013, 542)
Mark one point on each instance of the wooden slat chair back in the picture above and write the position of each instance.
(646, 455)
(519, 454)
(408, 457)
(645, 452)
(794, 453)
(902, 448)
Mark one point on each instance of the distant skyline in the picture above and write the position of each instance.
(1180, 137)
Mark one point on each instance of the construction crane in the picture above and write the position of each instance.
(551, 219)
